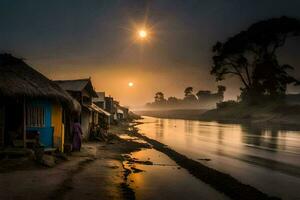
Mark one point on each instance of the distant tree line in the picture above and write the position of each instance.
(251, 55)
(202, 99)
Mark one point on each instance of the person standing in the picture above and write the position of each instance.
(77, 136)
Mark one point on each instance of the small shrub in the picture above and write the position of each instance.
(226, 104)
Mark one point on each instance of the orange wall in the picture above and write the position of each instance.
(58, 126)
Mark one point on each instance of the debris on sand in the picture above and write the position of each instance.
(48, 160)
(134, 160)
(136, 170)
(204, 159)
(127, 192)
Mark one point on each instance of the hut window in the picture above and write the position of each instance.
(35, 116)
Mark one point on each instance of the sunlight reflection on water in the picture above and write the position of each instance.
(268, 159)
(164, 175)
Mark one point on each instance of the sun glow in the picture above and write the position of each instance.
(130, 84)
(142, 33)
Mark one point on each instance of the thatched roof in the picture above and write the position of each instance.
(19, 80)
(78, 85)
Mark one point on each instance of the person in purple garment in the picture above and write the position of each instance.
(77, 135)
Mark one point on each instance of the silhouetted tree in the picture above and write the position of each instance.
(188, 91)
(221, 89)
(251, 56)
(173, 100)
(159, 97)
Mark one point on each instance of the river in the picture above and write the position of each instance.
(266, 158)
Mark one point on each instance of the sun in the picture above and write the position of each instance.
(142, 33)
(130, 84)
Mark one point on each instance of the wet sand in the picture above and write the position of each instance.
(164, 179)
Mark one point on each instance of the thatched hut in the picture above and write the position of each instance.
(31, 104)
(83, 91)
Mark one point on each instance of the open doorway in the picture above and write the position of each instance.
(13, 123)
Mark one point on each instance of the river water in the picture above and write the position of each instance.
(266, 158)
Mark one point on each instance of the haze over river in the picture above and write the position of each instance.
(266, 158)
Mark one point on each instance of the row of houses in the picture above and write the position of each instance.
(32, 107)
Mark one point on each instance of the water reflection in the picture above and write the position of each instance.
(270, 138)
(159, 128)
(220, 136)
(164, 175)
(188, 126)
(256, 155)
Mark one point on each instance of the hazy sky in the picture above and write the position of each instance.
(68, 39)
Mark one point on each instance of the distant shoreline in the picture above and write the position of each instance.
(267, 119)
(190, 114)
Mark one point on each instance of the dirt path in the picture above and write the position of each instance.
(94, 173)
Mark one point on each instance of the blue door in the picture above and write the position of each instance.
(38, 118)
(46, 137)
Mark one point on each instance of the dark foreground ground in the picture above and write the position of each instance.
(103, 170)
(97, 172)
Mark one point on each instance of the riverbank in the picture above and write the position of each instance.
(265, 115)
(192, 114)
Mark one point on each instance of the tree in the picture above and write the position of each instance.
(159, 97)
(220, 94)
(251, 56)
(188, 91)
(221, 89)
(173, 101)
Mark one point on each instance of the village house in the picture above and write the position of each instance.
(110, 107)
(33, 108)
(125, 112)
(120, 113)
(207, 99)
(83, 91)
(100, 100)
(103, 115)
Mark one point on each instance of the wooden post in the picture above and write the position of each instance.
(2, 123)
(24, 122)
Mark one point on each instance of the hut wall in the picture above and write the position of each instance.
(58, 126)
(45, 129)
(85, 122)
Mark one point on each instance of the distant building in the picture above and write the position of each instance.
(103, 115)
(111, 108)
(207, 99)
(83, 91)
(124, 112)
(100, 100)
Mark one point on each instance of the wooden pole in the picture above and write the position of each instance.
(2, 124)
(24, 122)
